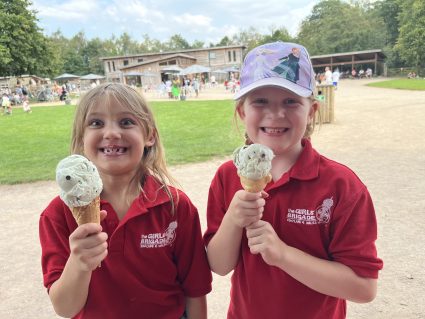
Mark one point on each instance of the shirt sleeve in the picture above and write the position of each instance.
(354, 232)
(193, 269)
(215, 208)
(54, 233)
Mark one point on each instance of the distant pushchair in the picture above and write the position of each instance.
(64, 95)
(45, 95)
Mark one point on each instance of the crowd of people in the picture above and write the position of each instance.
(20, 96)
(329, 77)
(181, 88)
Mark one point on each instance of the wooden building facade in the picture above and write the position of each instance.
(155, 67)
(374, 59)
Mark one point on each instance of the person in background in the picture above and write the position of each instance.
(335, 78)
(306, 244)
(6, 105)
(328, 76)
(26, 104)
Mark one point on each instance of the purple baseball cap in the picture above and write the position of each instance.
(280, 64)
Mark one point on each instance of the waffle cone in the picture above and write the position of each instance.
(255, 186)
(87, 214)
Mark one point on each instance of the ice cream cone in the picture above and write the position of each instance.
(255, 186)
(87, 214)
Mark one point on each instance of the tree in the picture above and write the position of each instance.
(74, 59)
(337, 26)
(411, 41)
(279, 34)
(177, 42)
(22, 45)
(94, 50)
(225, 41)
(126, 45)
(197, 44)
(250, 37)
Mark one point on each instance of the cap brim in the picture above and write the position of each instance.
(274, 82)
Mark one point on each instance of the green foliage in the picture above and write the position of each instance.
(33, 144)
(23, 48)
(177, 42)
(411, 41)
(337, 26)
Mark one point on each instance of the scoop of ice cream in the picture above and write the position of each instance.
(79, 181)
(253, 161)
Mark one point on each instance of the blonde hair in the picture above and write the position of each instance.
(317, 118)
(153, 159)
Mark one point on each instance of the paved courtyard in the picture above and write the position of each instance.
(379, 133)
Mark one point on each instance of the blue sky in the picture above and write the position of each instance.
(207, 21)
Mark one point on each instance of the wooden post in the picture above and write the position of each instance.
(327, 101)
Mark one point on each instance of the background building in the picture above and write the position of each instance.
(152, 68)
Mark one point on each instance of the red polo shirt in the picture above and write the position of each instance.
(154, 260)
(318, 206)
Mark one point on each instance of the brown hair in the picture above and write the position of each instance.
(153, 159)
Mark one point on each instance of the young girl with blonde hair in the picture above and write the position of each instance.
(149, 243)
(306, 244)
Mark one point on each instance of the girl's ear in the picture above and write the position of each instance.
(240, 110)
(313, 109)
(151, 140)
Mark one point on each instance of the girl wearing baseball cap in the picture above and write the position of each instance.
(306, 244)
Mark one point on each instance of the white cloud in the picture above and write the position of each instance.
(200, 20)
(193, 20)
(80, 10)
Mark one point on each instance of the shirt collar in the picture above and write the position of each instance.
(307, 165)
(305, 168)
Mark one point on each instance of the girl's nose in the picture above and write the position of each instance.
(277, 110)
(112, 132)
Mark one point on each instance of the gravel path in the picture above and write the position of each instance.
(379, 133)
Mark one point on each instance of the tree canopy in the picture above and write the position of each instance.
(23, 47)
(411, 40)
(333, 26)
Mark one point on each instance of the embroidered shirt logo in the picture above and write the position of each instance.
(323, 212)
(321, 215)
(158, 240)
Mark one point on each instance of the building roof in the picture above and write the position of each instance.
(158, 60)
(348, 57)
(171, 52)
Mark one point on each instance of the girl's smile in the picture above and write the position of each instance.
(274, 130)
(113, 150)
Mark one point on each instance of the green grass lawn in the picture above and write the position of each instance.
(402, 84)
(191, 131)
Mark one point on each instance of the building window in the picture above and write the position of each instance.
(113, 66)
(162, 63)
(229, 54)
(234, 55)
(212, 55)
(125, 62)
(139, 60)
(109, 66)
(172, 62)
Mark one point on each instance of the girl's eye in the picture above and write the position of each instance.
(95, 123)
(260, 101)
(291, 101)
(127, 122)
